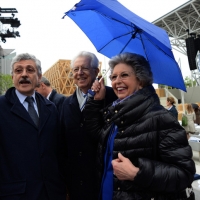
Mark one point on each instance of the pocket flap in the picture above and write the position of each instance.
(11, 188)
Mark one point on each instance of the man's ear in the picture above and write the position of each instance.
(42, 85)
(39, 77)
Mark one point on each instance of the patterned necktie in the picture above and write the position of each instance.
(31, 110)
(84, 101)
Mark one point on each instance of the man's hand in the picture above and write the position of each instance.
(99, 89)
(123, 168)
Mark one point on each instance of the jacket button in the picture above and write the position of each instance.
(104, 112)
(122, 131)
(116, 111)
(81, 125)
(80, 153)
(122, 122)
(118, 188)
(108, 120)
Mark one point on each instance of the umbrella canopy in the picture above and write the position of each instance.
(114, 29)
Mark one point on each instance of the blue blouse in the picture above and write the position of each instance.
(107, 180)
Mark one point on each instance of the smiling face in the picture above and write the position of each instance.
(83, 74)
(25, 76)
(124, 81)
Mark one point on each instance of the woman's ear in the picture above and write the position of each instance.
(96, 71)
(140, 85)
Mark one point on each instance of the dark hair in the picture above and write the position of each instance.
(139, 65)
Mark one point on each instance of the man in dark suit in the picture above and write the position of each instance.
(29, 134)
(45, 89)
(81, 149)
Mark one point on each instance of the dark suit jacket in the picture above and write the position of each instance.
(57, 99)
(174, 112)
(81, 150)
(28, 155)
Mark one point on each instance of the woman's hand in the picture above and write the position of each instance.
(123, 168)
(99, 89)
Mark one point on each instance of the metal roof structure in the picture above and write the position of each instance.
(180, 23)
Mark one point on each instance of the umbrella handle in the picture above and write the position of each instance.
(92, 92)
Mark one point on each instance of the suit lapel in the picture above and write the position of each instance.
(44, 112)
(51, 95)
(74, 105)
(19, 110)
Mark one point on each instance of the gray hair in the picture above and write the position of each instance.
(94, 62)
(45, 81)
(139, 65)
(26, 56)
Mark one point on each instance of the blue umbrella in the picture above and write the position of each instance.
(114, 29)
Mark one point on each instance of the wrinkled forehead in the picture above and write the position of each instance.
(24, 63)
(82, 61)
(121, 67)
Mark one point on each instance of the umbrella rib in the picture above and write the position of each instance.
(112, 40)
(155, 46)
(144, 46)
(125, 45)
(114, 19)
(132, 37)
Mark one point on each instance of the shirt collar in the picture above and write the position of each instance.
(49, 95)
(121, 100)
(84, 95)
(22, 97)
(169, 108)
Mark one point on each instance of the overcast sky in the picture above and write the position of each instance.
(49, 37)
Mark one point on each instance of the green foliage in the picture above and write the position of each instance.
(5, 82)
(188, 82)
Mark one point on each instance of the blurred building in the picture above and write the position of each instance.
(6, 56)
(60, 77)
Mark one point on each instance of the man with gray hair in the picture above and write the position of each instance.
(81, 150)
(29, 134)
(45, 89)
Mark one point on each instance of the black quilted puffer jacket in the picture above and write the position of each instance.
(151, 138)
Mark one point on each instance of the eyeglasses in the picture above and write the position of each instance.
(29, 70)
(83, 69)
(122, 76)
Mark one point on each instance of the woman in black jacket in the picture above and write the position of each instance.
(143, 152)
